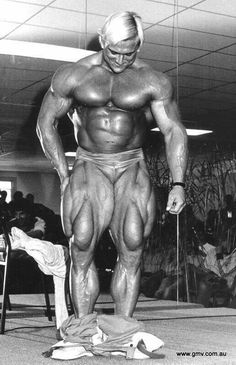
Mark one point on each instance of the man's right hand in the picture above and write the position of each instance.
(64, 183)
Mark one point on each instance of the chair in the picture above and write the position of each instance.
(4, 261)
(5, 257)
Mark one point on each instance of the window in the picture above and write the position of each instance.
(7, 185)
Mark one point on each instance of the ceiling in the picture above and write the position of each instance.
(194, 42)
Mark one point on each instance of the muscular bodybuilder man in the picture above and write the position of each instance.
(109, 93)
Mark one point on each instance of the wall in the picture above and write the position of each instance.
(43, 185)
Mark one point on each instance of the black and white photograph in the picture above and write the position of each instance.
(118, 182)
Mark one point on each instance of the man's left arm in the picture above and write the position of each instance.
(166, 115)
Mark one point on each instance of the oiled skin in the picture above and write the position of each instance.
(107, 98)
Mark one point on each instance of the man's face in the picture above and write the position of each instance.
(121, 55)
(21, 217)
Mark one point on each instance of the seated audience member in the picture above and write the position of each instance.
(150, 282)
(3, 204)
(4, 207)
(53, 231)
(168, 287)
(24, 277)
(17, 201)
(162, 284)
(40, 210)
(214, 273)
(23, 218)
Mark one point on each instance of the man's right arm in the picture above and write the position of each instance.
(55, 105)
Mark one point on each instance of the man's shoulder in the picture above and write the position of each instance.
(70, 70)
(151, 73)
(156, 80)
(71, 73)
(89, 61)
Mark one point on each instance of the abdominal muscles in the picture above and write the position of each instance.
(111, 130)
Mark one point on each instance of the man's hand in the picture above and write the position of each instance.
(176, 200)
(64, 183)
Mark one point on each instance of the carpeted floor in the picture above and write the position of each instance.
(192, 334)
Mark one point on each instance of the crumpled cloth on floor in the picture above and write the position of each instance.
(104, 335)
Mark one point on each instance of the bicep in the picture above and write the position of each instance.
(58, 99)
(53, 107)
(166, 114)
(163, 106)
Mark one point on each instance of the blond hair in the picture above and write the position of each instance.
(121, 26)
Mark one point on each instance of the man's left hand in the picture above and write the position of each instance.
(176, 200)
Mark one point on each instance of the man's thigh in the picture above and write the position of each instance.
(88, 201)
(134, 210)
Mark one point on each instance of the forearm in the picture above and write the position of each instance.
(35, 233)
(177, 152)
(52, 146)
(53, 108)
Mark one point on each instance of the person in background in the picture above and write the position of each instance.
(24, 276)
(30, 224)
(53, 231)
(17, 201)
(4, 206)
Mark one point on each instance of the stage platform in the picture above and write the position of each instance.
(192, 334)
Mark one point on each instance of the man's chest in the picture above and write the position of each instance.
(126, 90)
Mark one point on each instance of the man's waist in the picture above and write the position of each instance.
(110, 158)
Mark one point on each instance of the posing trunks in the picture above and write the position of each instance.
(120, 160)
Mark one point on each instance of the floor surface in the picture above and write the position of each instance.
(192, 334)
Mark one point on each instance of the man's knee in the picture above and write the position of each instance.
(82, 255)
(133, 240)
(83, 228)
(82, 240)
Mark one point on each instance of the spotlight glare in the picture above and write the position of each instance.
(192, 132)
